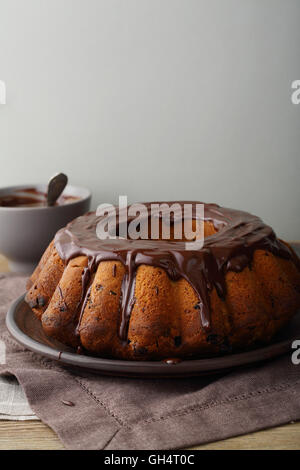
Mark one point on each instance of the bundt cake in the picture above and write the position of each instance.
(154, 300)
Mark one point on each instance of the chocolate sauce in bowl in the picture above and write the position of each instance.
(20, 201)
(31, 197)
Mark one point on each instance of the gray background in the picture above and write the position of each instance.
(156, 99)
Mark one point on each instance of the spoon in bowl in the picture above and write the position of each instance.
(56, 186)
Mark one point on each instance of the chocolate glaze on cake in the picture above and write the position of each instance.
(238, 235)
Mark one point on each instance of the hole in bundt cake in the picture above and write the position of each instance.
(164, 230)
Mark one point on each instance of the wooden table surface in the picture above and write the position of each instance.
(38, 436)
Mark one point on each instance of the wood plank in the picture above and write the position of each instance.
(27, 435)
(280, 438)
(35, 435)
(3, 264)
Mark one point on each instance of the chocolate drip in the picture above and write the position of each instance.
(231, 248)
(128, 299)
(64, 306)
(172, 360)
(86, 298)
(114, 271)
(85, 293)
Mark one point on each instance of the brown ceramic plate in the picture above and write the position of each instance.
(27, 330)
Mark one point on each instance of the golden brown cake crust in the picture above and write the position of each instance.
(81, 306)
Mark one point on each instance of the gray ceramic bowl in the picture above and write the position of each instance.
(25, 232)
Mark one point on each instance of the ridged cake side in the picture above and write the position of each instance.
(165, 320)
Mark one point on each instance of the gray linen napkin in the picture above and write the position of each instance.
(120, 413)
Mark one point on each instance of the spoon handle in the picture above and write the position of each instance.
(56, 186)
